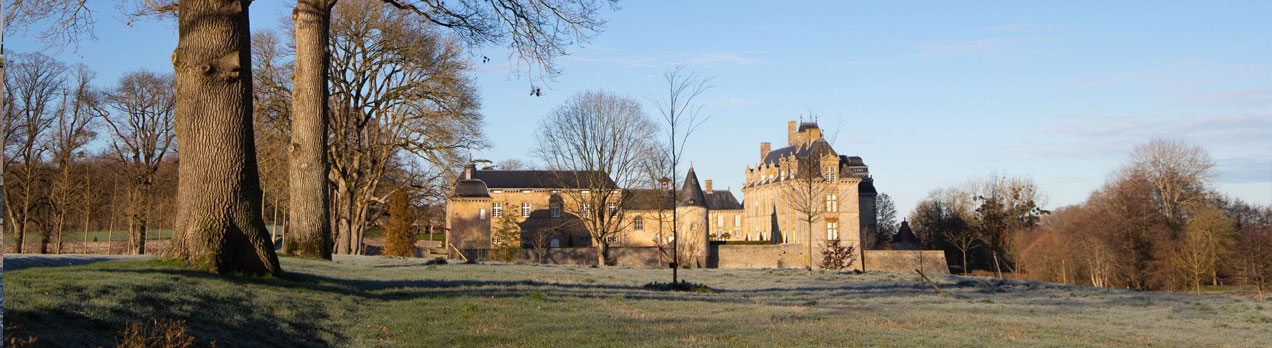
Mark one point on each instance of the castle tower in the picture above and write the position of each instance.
(468, 216)
(693, 224)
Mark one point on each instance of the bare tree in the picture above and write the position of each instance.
(596, 143)
(1179, 173)
(886, 221)
(81, 104)
(682, 115)
(399, 88)
(71, 19)
(272, 122)
(805, 194)
(34, 84)
(1008, 205)
(537, 31)
(142, 134)
(1203, 242)
(513, 164)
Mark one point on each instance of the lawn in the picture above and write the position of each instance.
(77, 237)
(374, 301)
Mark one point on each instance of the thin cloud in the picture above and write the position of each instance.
(962, 47)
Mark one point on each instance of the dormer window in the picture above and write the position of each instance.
(830, 173)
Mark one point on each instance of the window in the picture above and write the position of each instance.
(613, 208)
(494, 240)
(582, 241)
(639, 223)
(585, 209)
(481, 213)
(719, 220)
(693, 226)
(737, 220)
(830, 173)
(496, 210)
(611, 240)
(832, 203)
(556, 209)
(832, 231)
(525, 209)
(555, 243)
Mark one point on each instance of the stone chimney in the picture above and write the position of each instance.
(791, 128)
(708, 188)
(764, 149)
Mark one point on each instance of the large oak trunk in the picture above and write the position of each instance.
(218, 216)
(310, 210)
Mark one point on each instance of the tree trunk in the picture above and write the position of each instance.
(61, 222)
(218, 221)
(602, 254)
(964, 261)
(997, 269)
(308, 150)
(142, 217)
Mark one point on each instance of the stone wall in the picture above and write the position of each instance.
(906, 261)
(623, 256)
(760, 256)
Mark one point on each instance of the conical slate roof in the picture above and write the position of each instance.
(691, 194)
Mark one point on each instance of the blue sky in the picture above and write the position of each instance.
(929, 94)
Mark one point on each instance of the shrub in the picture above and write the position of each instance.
(399, 240)
(681, 286)
(838, 256)
(156, 333)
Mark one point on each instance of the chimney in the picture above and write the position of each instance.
(764, 149)
(790, 132)
(708, 185)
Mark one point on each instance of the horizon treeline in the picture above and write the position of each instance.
(1157, 223)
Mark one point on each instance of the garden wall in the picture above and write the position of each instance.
(906, 261)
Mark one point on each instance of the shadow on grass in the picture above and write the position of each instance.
(306, 309)
(216, 308)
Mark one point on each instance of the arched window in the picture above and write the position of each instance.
(556, 209)
(638, 223)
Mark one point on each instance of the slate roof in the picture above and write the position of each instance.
(537, 179)
(807, 125)
(647, 199)
(691, 194)
(905, 235)
(722, 200)
(866, 187)
(818, 146)
(471, 188)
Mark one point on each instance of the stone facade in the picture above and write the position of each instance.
(546, 211)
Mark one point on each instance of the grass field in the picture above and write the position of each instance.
(74, 237)
(372, 301)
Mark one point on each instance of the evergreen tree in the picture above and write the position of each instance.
(399, 241)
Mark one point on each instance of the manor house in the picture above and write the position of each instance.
(546, 205)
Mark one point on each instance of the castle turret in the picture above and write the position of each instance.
(692, 227)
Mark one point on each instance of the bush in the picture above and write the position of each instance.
(681, 286)
(838, 256)
(156, 333)
(399, 240)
